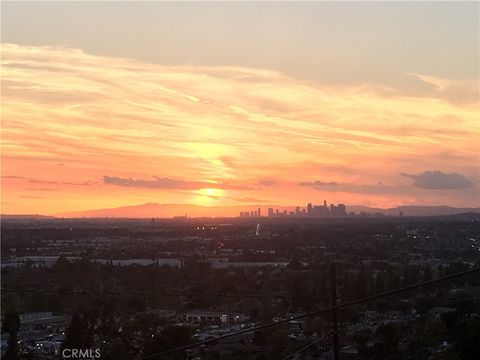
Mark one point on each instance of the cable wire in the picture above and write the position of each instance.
(313, 313)
(138, 293)
(302, 349)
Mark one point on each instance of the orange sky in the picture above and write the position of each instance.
(82, 131)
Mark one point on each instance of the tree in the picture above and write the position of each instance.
(11, 325)
(259, 338)
(12, 347)
(297, 289)
(466, 335)
(361, 338)
(295, 265)
(347, 287)
(136, 304)
(170, 337)
(62, 262)
(393, 280)
(278, 342)
(80, 331)
(390, 334)
(379, 284)
(361, 284)
(54, 303)
(118, 349)
(427, 274)
(11, 321)
(37, 302)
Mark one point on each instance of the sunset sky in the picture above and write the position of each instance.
(112, 104)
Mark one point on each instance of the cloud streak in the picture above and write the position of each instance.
(46, 182)
(334, 186)
(167, 183)
(253, 133)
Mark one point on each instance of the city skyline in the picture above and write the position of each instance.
(372, 104)
(310, 210)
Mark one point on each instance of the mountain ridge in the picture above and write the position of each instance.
(156, 210)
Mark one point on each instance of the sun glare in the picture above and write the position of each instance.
(207, 196)
(210, 192)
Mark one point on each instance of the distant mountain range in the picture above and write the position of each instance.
(26, 216)
(415, 210)
(155, 210)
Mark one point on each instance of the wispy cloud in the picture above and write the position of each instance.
(167, 183)
(454, 90)
(250, 200)
(32, 197)
(333, 186)
(41, 189)
(265, 183)
(254, 133)
(46, 182)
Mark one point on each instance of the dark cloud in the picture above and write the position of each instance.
(86, 183)
(41, 189)
(31, 180)
(265, 183)
(438, 180)
(318, 183)
(250, 199)
(13, 177)
(36, 181)
(167, 183)
(49, 182)
(334, 186)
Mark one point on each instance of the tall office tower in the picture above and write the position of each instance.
(297, 210)
(341, 209)
(324, 203)
(270, 212)
(332, 209)
(309, 208)
(277, 212)
(259, 212)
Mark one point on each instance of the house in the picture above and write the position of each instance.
(198, 317)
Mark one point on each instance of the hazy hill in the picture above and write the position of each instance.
(415, 210)
(149, 210)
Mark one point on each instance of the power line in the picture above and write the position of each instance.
(133, 293)
(323, 340)
(313, 313)
(333, 287)
(320, 339)
(302, 349)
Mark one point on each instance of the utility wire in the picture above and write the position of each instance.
(313, 313)
(133, 293)
(302, 349)
(320, 339)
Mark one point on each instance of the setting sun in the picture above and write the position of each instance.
(85, 128)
